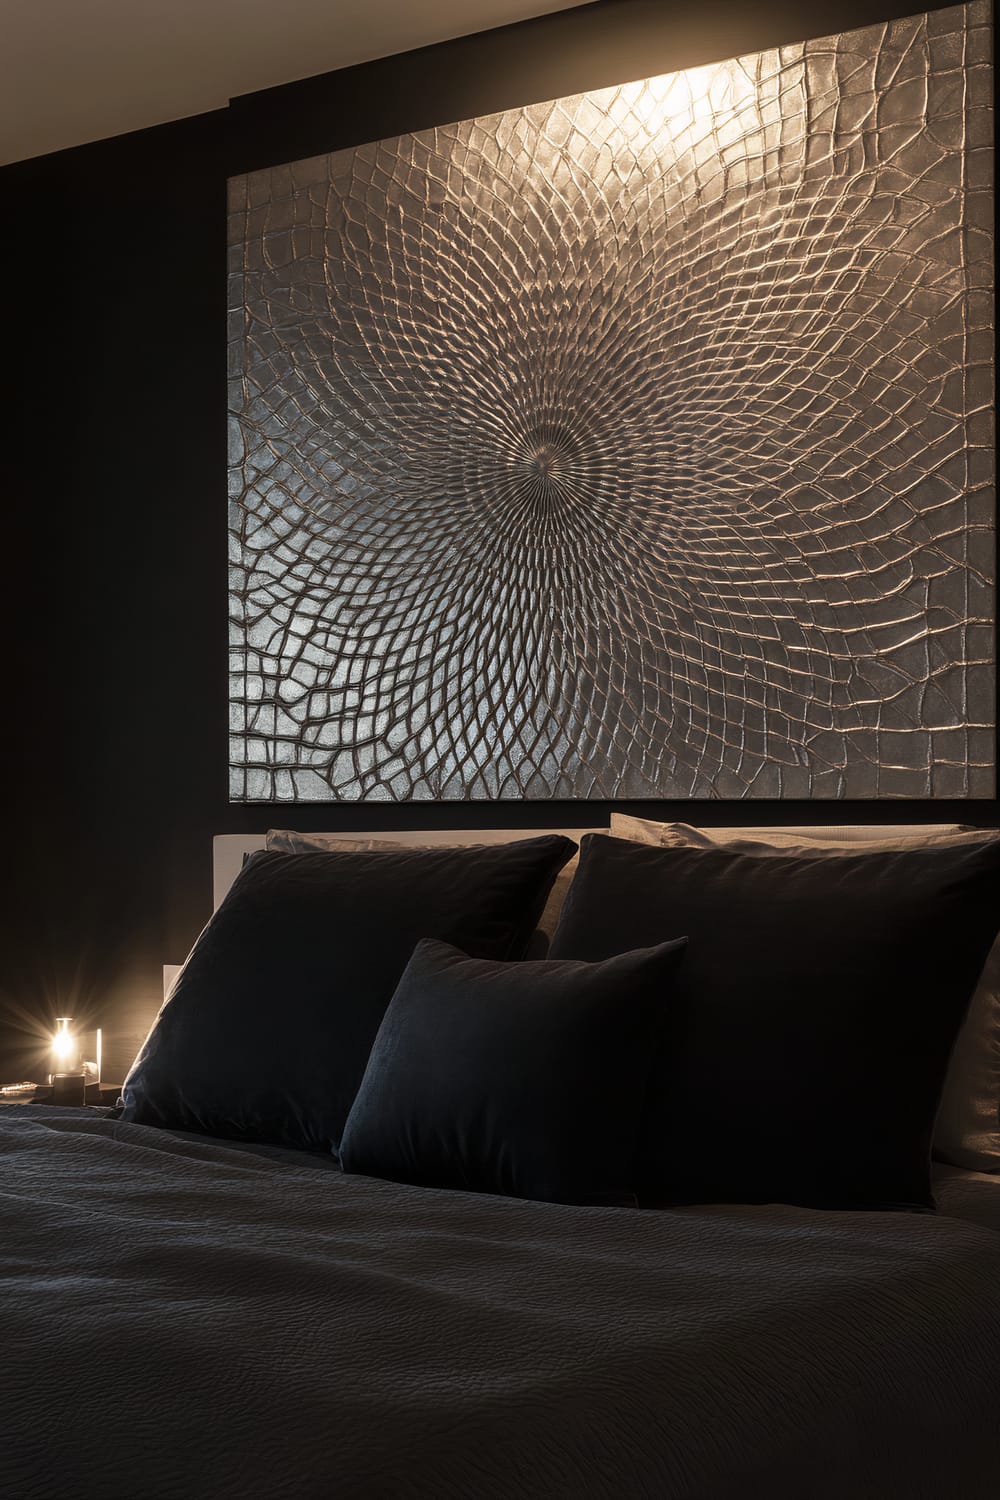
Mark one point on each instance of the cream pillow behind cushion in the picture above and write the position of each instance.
(287, 841)
(967, 1127)
(683, 835)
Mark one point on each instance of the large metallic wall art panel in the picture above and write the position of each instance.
(637, 444)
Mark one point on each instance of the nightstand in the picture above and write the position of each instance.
(19, 1093)
(105, 1094)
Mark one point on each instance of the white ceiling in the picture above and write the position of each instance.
(79, 70)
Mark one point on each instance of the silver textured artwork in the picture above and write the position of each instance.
(633, 445)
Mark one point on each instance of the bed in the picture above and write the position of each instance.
(185, 1315)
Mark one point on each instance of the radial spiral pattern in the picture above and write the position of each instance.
(632, 445)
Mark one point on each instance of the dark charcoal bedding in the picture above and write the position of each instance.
(181, 1320)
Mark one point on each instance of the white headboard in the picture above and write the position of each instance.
(229, 849)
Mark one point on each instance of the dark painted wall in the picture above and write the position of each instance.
(115, 750)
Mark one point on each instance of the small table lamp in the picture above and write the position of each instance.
(71, 1071)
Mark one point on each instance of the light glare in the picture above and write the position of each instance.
(64, 1047)
(698, 97)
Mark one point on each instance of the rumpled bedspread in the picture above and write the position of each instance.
(182, 1320)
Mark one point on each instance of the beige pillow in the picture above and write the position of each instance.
(286, 841)
(967, 1128)
(683, 835)
(549, 919)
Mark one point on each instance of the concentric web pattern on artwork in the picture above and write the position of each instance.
(632, 445)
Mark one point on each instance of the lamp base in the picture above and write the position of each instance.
(69, 1088)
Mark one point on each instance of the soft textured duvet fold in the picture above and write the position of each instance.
(182, 1320)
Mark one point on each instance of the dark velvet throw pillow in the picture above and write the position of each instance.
(813, 1017)
(517, 1078)
(269, 1025)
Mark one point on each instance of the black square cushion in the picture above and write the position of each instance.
(268, 1028)
(517, 1078)
(813, 1016)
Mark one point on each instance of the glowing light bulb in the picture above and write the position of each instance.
(64, 1046)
